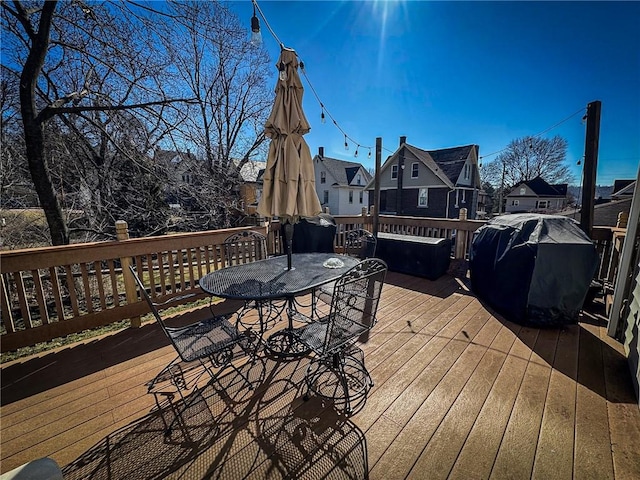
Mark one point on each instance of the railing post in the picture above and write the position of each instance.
(461, 235)
(623, 218)
(122, 233)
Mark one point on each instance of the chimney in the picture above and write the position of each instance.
(321, 152)
(403, 140)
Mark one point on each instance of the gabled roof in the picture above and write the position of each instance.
(623, 187)
(450, 160)
(343, 172)
(173, 156)
(541, 188)
(251, 170)
(446, 163)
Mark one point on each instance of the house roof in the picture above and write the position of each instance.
(446, 163)
(623, 188)
(450, 160)
(541, 188)
(251, 171)
(173, 156)
(343, 172)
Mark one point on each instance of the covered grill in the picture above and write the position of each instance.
(533, 269)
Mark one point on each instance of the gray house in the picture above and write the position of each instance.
(536, 195)
(430, 183)
(340, 185)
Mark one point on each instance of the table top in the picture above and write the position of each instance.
(270, 279)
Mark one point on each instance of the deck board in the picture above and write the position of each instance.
(459, 393)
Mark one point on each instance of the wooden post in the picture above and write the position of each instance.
(376, 189)
(122, 233)
(623, 218)
(400, 179)
(592, 139)
(461, 235)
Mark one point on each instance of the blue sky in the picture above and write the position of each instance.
(454, 73)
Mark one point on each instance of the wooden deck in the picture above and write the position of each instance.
(459, 393)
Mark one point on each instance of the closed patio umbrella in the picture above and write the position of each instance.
(289, 190)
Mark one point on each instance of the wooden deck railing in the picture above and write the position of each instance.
(51, 292)
(55, 291)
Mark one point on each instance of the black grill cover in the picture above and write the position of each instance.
(533, 269)
(314, 234)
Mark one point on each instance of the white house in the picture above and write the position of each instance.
(340, 185)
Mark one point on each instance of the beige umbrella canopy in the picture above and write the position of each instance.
(289, 190)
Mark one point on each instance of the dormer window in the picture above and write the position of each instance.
(394, 172)
(359, 179)
(414, 170)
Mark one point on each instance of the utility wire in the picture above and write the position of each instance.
(347, 137)
(537, 134)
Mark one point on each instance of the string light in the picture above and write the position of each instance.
(322, 119)
(346, 145)
(356, 152)
(369, 156)
(256, 36)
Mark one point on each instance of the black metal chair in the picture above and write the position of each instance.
(337, 371)
(203, 346)
(358, 243)
(243, 247)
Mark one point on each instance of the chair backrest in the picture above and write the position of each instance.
(244, 247)
(354, 303)
(360, 243)
(154, 306)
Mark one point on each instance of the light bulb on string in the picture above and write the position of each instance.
(256, 36)
(369, 156)
(355, 154)
(346, 145)
(322, 117)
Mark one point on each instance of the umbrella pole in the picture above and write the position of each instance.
(288, 234)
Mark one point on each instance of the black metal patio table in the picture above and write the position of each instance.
(269, 279)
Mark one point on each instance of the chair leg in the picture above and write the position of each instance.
(342, 377)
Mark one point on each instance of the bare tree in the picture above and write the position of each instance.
(527, 158)
(101, 85)
(76, 60)
(226, 75)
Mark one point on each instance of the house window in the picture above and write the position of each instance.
(467, 170)
(350, 196)
(523, 191)
(325, 197)
(394, 171)
(542, 204)
(423, 197)
(323, 177)
(414, 170)
(361, 196)
(359, 179)
(515, 203)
